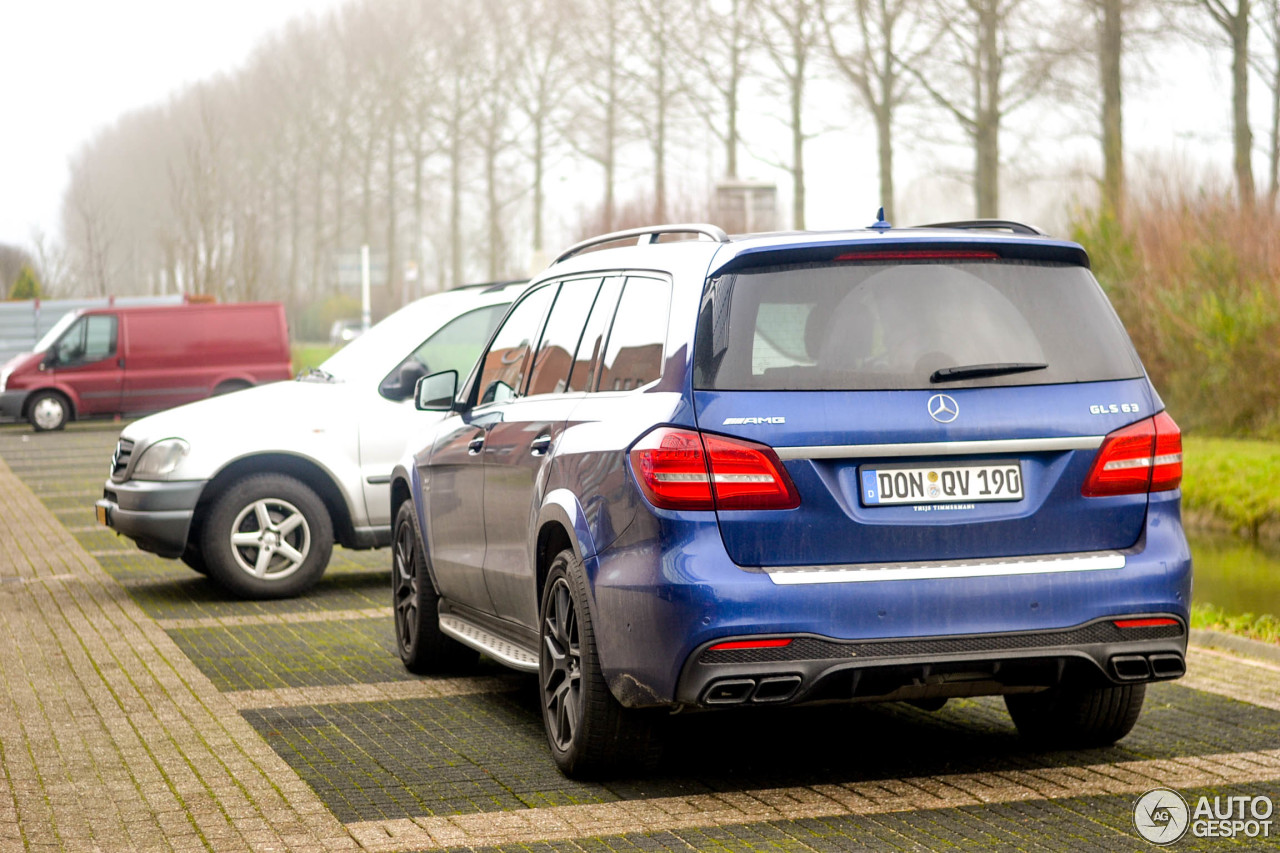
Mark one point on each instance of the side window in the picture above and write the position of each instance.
(554, 358)
(506, 362)
(90, 339)
(455, 346)
(633, 356)
(584, 365)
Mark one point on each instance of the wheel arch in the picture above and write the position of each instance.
(561, 524)
(300, 468)
(68, 394)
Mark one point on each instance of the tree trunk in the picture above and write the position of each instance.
(539, 154)
(394, 280)
(1242, 135)
(455, 196)
(987, 129)
(797, 139)
(884, 146)
(1111, 42)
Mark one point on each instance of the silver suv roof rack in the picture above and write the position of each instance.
(646, 234)
(990, 225)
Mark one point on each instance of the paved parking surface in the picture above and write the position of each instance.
(140, 708)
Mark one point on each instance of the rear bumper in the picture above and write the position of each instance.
(660, 607)
(155, 515)
(11, 403)
(811, 668)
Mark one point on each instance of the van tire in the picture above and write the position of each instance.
(415, 606)
(590, 734)
(1075, 717)
(48, 411)
(280, 559)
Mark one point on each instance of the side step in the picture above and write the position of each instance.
(502, 650)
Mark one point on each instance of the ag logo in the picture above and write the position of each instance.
(943, 408)
(1161, 816)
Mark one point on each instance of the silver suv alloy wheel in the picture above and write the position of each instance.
(270, 539)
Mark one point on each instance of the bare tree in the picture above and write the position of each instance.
(540, 83)
(872, 43)
(992, 57)
(597, 124)
(1268, 67)
(1231, 23)
(791, 34)
(722, 55)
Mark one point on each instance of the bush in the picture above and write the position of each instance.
(26, 285)
(1197, 283)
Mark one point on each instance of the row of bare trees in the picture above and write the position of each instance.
(444, 133)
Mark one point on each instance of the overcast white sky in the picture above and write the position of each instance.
(69, 67)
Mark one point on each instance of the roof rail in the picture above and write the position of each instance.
(646, 234)
(990, 225)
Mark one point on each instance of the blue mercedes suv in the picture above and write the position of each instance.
(891, 464)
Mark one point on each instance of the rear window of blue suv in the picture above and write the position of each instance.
(908, 324)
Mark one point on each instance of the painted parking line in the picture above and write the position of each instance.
(274, 618)
(386, 691)
(786, 804)
(1225, 674)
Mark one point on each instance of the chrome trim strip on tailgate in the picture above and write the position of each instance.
(1086, 562)
(940, 448)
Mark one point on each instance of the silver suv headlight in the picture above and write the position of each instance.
(161, 459)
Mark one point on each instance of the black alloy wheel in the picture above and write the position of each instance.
(562, 666)
(415, 606)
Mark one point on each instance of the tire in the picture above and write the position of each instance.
(415, 605)
(267, 536)
(589, 732)
(48, 411)
(194, 559)
(1076, 717)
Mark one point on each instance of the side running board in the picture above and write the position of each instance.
(502, 650)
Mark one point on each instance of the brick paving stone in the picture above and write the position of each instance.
(94, 691)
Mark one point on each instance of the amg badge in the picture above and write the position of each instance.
(773, 420)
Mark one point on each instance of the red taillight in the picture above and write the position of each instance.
(684, 469)
(737, 645)
(1144, 623)
(1142, 457)
(921, 255)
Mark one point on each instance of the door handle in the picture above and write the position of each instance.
(475, 445)
(540, 445)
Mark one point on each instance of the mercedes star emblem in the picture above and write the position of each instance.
(943, 409)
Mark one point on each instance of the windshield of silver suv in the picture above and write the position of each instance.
(908, 325)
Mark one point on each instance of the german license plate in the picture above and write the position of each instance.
(936, 484)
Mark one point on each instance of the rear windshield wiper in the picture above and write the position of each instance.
(977, 371)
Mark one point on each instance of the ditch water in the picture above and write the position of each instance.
(1235, 574)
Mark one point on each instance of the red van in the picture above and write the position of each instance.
(109, 361)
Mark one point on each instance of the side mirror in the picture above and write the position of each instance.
(408, 377)
(435, 393)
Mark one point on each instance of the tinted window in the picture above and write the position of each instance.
(505, 363)
(554, 358)
(91, 338)
(455, 346)
(877, 326)
(584, 365)
(634, 354)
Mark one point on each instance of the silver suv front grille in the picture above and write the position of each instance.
(120, 459)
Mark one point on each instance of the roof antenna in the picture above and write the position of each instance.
(880, 224)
